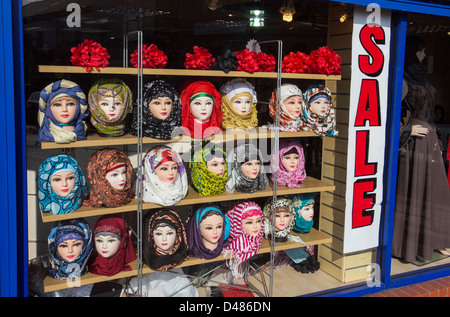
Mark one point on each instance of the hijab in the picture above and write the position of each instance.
(49, 201)
(102, 193)
(414, 70)
(300, 201)
(116, 227)
(194, 128)
(151, 126)
(269, 229)
(204, 181)
(287, 121)
(284, 177)
(233, 89)
(104, 88)
(197, 248)
(237, 181)
(242, 246)
(322, 125)
(67, 230)
(52, 130)
(159, 260)
(158, 192)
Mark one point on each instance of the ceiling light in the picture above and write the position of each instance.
(288, 10)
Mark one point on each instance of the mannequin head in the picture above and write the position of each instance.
(63, 108)
(112, 106)
(293, 105)
(166, 168)
(290, 160)
(242, 103)
(216, 165)
(319, 105)
(282, 217)
(164, 236)
(201, 107)
(161, 107)
(252, 222)
(307, 212)
(63, 182)
(304, 206)
(70, 246)
(251, 168)
(107, 243)
(117, 176)
(211, 227)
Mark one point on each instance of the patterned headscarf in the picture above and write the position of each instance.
(153, 127)
(204, 181)
(237, 181)
(233, 89)
(322, 125)
(285, 178)
(49, 201)
(158, 192)
(287, 122)
(213, 126)
(117, 89)
(114, 226)
(197, 248)
(269, 228)
(66, 230)
(102, 193)
(242, 246)
(300, 201)
(52, 130)
(159, 260)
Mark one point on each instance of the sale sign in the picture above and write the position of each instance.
(367, 128)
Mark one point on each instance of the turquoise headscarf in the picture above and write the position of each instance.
(49, 201)
(300, 201)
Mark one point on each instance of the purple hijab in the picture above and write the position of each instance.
(285, 178)
(196, 247)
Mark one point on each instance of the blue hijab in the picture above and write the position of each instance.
(196, 247)
(49, 201)
(65, 230)
(50, 129)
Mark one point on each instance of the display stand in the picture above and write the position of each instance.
(315, 237)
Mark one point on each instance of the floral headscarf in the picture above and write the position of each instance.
(300, 201)
(237, 181)
(52, 130)
(269, 229)
(117, 227)
(102, 193)
(109, 88)
(204, 181)
(158, 192)
(49, 201)
(233, 89)
(197, 248)
(285, 178)
(322, 125)
(242, 246)
(206, 129)
(66, 230)
(287, 122)
(159, 260)
(153, 127)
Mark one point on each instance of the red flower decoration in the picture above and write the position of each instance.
(266, 62)
(247, 61)
(89, 54)
(152, 57)
(295, 63)
(325, 61)
(200, 59)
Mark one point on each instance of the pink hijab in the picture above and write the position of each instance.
(285, 178)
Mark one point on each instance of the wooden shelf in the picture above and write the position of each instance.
(310, 185)
(314, 237)
(229, 135)
(179, 72)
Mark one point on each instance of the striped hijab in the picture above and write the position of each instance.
(242, 246)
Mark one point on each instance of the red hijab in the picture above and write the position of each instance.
(125, 253)
(188, 121)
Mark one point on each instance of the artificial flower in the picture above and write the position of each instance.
(295, 63)
(200, 59)
(152, 57)
(324, 61)
(266, 62)
(89, 54)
